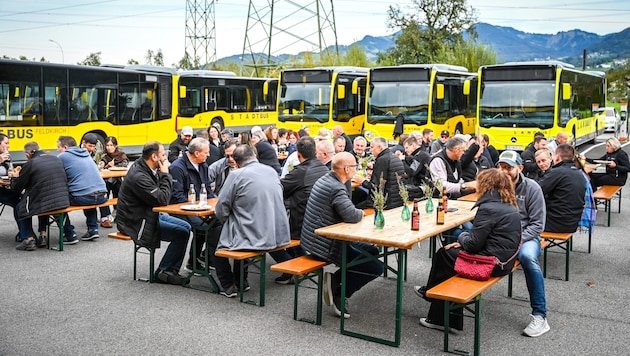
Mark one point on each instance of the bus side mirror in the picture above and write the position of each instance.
(355, 87)
(341, 92)
(466, 87)
(566, 91)
(182, 92)
(440, 92)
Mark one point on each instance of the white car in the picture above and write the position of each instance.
(612, 119)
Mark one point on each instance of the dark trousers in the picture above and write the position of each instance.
(443, 268)
(359, 275)
(600, 179)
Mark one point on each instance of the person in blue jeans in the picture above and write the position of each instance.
(85, 184)
(148, 184)
(532, 208)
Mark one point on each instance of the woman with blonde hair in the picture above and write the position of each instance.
(496, 232)
(617, 165)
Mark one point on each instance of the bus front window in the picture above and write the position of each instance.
(387, 100)
(305, 102)
(517, 104)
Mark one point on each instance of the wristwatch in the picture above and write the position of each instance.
(462, 186)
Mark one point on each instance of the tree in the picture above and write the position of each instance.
(94, 59)
(472, 55)
(619, 82)
(355, 56)
(187, 63)
(429, 31)
(155, 58)
(132, 61)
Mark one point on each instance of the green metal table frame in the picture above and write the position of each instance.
(401, 254)
(207, 224)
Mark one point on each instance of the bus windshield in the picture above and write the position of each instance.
(304, 102)
(388, 99)
(517, 104)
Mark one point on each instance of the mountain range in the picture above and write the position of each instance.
(514, 45)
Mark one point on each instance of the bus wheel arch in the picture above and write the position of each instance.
(217, 121)
(573, 138)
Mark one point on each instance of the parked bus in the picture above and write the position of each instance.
(221, 98)
(41, 101)
(435, 96)
(519, 99)
(322, 97)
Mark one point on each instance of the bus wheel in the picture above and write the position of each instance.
(458, 129)
(217, 122)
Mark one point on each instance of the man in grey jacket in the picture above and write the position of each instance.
(328, 204)
(251, 209)
(531, 205)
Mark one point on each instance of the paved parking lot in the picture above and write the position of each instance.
(83, 301)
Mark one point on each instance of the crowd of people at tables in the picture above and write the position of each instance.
(543, 189)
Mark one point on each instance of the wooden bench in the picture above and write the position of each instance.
(562, 240)
(136, 249)
(606, 193)
(256, 259)
(60, 217)
(304, 268)
(543, 245)
(462, 292)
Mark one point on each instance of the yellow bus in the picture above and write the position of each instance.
(518, 99)
(221, 98)
(322, 97)
(41, 101)
(434, 96)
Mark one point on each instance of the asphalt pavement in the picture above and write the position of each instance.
(83, 301)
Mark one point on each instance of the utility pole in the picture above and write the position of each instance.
(201, 41)
(272, 29)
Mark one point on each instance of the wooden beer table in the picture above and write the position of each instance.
(396, 237)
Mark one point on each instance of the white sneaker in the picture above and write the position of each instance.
(537, 326)
(328, 293)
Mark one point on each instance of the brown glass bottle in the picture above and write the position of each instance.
(415, 217)
(439, 217)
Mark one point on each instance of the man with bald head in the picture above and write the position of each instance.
(328, 204)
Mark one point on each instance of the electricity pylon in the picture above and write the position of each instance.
(275, 26)
(201, 41)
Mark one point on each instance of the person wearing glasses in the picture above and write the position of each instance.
(439, 144)
(219, 170)
(329, 203)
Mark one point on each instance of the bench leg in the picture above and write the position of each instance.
(317, 278)
(510, 285)
(569, 247)
(60, 219)
(259, 263)
(607, 205)
(151, 252)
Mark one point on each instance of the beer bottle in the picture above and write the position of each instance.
(439, 217)
(415, 216)
(444, 200)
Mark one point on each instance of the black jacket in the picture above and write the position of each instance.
(530, 168)
(620, 172)
(184, 174)
(141, 191)
(389, 166)
(327, 205)
(44, 179)
(297, 187)
(416, 167)
(267, 155)
(564, 187)
(176, 148)
(496, 231)
(470, 167)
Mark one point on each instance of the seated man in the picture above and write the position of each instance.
(85, 185)
(252, 212)
(147, 185)
(564, 188)
(45, 187)
(180, 145)
(191, 169)
(328, 204)
(386, 167)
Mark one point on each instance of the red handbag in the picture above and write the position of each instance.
(475, 267)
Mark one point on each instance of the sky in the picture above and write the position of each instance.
(69, 30)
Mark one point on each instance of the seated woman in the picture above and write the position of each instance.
(113, 157)
(617, 167)
(496, 232)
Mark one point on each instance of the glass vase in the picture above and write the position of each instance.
(405, 215)
(428, 206)
(379, 220)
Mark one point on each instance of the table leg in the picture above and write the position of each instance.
(205, 272)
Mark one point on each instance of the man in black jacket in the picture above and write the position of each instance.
(530, 168)
(148, 184)
(564, 188)
(180, 145)
(386, 166)
(43, 180)
(416, 162)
